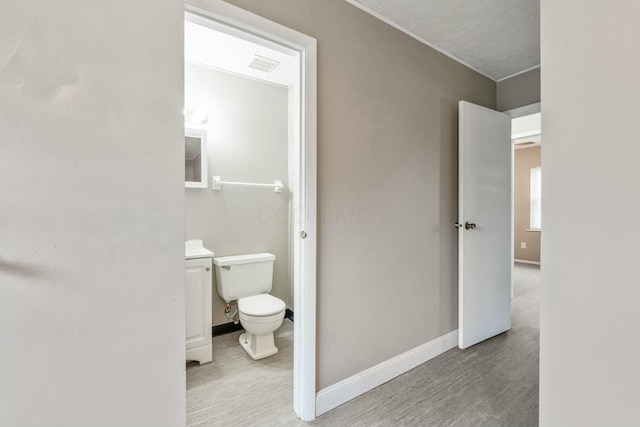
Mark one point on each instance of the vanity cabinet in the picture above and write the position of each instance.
(198, 309)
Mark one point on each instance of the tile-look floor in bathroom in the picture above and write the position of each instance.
(235, 390)
(494, 383)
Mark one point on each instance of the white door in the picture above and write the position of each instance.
(484, 223)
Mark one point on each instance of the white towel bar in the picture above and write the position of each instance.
(216, 184)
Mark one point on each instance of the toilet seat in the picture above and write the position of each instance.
(261, 305)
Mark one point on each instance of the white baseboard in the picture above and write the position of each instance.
(352, 387)
(524, 261)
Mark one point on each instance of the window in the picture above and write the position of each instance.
(535, 217)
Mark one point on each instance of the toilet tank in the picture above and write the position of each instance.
(241, 276)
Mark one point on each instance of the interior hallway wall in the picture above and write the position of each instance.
(387, 183)
(92, 326)
(524, 160)
(518, 91)
(589, 373)
(247, 142)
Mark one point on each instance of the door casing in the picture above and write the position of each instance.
(305, 196)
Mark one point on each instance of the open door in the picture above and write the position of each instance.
(484, 224)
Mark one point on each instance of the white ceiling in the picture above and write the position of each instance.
(216, 49)
(498, 38)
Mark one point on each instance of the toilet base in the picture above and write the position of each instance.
(258, 346)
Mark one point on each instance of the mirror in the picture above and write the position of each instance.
(195, 158)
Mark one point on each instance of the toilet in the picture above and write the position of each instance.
(248, 279)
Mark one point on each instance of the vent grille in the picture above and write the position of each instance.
(263, 64)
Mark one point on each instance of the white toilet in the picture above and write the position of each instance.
(248, 279)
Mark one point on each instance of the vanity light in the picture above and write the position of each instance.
(197, 117)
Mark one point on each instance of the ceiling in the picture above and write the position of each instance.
(215, 48)
(498, 38)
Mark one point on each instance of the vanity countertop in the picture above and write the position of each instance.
(195, 249)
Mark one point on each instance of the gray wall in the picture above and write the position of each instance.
(387, 183)
(525, 159)
(247, 142)
(518, 91)
(589, 353)
(91, 214)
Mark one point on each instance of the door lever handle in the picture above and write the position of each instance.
(469, 226)
(457, 225)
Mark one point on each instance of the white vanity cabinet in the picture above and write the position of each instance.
(198, 302)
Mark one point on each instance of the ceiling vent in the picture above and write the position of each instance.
(263, 64)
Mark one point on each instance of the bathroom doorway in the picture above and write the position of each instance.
(250, 87)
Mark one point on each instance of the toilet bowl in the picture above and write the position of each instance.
(260, 316)
(248, 279)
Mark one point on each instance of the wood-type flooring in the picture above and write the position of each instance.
(494, 383)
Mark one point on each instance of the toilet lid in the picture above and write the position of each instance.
(261, 305)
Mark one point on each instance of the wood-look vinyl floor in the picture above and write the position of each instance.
(494, 383)
(235, 390)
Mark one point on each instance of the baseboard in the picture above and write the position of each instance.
(352, 387)
(226, 328)
(524, 261)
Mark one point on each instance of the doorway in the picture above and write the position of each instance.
(241, 27)
(514, 351)
(527, 177)
(488, 141)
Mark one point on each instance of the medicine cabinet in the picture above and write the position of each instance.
(195, 158)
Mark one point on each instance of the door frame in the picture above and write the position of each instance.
(305, 192)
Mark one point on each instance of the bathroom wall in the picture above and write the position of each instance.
(247, 142)
(525, 159)
(387, 183)
(91, 214)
